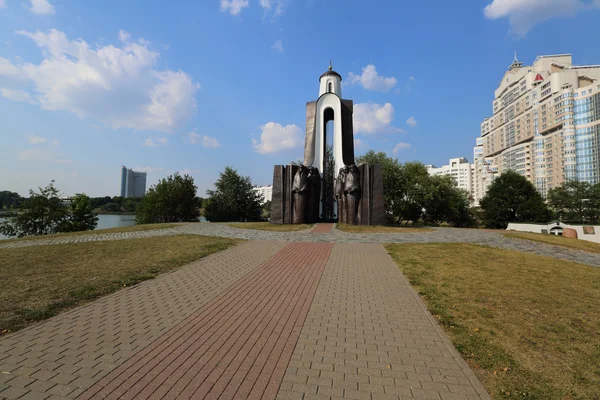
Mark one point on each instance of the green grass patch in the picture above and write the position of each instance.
(38, 282)
(528, 325)
(267, 226)
(555, 240)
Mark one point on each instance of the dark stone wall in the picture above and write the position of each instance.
(278, 200)
(370, 210)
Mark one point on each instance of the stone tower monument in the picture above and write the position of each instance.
(298, 193)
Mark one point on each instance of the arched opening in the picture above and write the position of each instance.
(330, 87)
(328, 166)
(557, 230)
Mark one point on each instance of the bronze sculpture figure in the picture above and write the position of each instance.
(299, 191)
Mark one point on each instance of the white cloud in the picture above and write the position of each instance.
(118, 86)
(370, 118)
(401, 146)
(412, 78)
(278, 46)
(16, 95)
(371, 80)
(360, 146)
(158, 142)
(276, 137)
(46, 154)
(234, 7)
(412, 121)
(32, 139)
(2, 3)
(206, 141)
(42, 7)
(359, 143)
(274, 6)
(124, 36)
(524, 14)
(210, 142)
(55, 142)
(10, 71)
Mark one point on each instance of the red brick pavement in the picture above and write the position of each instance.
(236, 347)
(322, 228)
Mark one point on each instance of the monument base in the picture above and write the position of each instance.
(297, 197)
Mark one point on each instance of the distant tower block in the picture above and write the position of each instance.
(329, 107)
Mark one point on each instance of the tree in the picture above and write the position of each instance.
(171, 200)
(81, 217)
(233, 199)
(266, 210)
(111, 207)
(512, 198)
(416, 186)
(45, 213)
(438, 202)
(9, 199)
(573, 201)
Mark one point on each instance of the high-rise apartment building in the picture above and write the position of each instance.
(265, 191)
(545, 125)
(457, 168)
(133, 183)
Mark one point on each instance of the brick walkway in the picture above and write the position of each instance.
(322, 228)
(261, 320)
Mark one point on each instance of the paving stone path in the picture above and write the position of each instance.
(325, 233)
(316, 314)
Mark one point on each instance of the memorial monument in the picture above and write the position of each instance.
(298, 192)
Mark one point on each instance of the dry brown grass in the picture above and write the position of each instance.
(38, 282)
(528, 325)
(267, 226)
(134, 228)
(556, 240)
(381, 229)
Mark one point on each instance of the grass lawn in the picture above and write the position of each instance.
(556, 240)
(41, 281)
(267, 226)
(380, 229)
(134, 228)
(528, 325)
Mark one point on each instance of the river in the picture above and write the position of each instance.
(106, 221)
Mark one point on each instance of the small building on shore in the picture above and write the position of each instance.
(590, 233)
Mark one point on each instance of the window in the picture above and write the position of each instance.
(330, 87)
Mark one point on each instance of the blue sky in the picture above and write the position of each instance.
(194, 86)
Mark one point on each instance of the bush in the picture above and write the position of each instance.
(171, 200)
(234, 199)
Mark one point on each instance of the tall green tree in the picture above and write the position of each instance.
(171, 200)
(439, 195)
(233, 199)
(81, 216)
(416, 188)
(573, 201)
(512, 198)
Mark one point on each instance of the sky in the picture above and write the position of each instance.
(194, 86)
